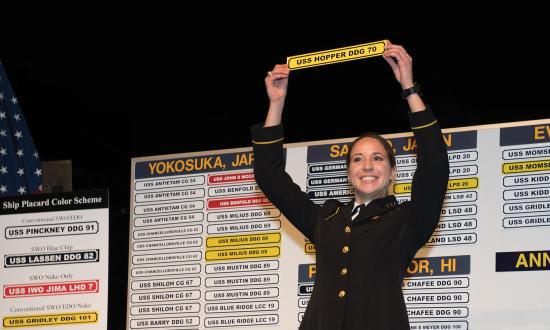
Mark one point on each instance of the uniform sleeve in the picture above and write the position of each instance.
(431, 176)
(276, 184)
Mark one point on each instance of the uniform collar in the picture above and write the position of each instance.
(375, 208)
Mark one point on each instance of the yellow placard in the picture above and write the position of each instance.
(337, 55)
(247, 253)
(520, 167)
(466, 183)
(49, 319)
(310, 248)
(402, 188)
(453, 184)
(264, 238)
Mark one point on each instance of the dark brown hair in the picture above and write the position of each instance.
(387, 147)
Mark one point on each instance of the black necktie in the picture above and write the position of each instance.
(356, 210)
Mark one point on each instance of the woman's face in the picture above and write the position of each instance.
(369, 171)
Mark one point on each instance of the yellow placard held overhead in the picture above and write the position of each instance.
(336, 55)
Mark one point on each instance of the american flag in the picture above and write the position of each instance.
(20, 169)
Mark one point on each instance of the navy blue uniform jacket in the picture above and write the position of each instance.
(360, 264)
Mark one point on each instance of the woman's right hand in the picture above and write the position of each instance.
(276, 83)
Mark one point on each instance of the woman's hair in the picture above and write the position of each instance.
(383, 142)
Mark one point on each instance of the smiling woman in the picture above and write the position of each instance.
(361, 256)
(371, 167)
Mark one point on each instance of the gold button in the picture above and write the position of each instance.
(347, 229)
(341, 294)
(345, 249)
(344, 271)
